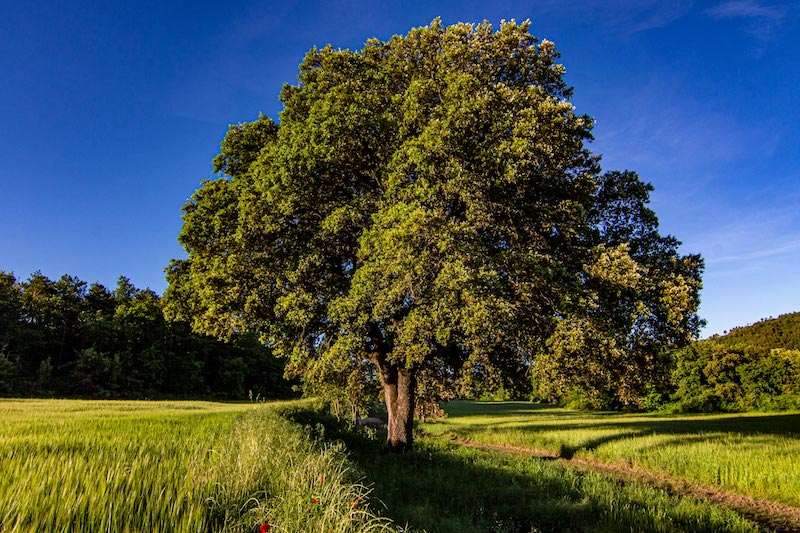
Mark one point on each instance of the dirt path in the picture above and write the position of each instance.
(775, 516)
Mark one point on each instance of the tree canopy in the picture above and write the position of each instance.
(427, 214)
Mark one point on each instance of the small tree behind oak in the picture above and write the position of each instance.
(428, 206)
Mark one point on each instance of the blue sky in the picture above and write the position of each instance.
(110, 113)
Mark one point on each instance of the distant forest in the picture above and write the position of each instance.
(67, 338)
(755, 367)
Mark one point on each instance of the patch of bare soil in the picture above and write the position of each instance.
(774, 516)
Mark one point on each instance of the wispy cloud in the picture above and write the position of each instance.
(745, 9)
(623, 15)
(658, 126)
(759, 254)
(762, 20)
(752, 245)
(659, 14)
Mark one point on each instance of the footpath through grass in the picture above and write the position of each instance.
(754, 454)
(446, 488)
(171, 466)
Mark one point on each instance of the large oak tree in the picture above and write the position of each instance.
(426, 212)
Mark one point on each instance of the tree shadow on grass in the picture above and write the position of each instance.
(777, 423)
(443, 488)
(464, 408)
(617, 426)
(786, 425)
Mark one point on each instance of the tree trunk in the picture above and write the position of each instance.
(399, 389)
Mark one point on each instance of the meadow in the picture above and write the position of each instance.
(200, 466)
(446, 487)
(753, 454)
(171, 466)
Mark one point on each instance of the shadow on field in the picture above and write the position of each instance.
(778, 423)
(615, 426)
(443, 488)
(505, 408)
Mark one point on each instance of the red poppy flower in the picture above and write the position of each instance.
(321, 480)
(355, 505)
(313, 500)
(265, 528)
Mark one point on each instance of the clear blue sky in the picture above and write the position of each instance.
(110, 113)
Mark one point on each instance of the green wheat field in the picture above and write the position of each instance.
(127, 466)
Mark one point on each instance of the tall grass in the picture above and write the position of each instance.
(304, 487)
(170, 466)
(757, 454)
(447, 488)
(198, 466)
(103, 466)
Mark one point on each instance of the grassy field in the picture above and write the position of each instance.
(755, 454)
(170, 466)
(448, 488)
(200, 466)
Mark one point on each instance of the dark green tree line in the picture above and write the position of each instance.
(65, 338)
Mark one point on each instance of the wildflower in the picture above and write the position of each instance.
(321, 480)
(265, 528)
(355, 505)
(314, 501)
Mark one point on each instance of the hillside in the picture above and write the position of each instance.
(781, 332)
(754, 367)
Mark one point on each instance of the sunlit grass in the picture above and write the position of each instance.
(170, 466)
(200, 466)
(756, 454)
(447, 488)
(80, 465)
